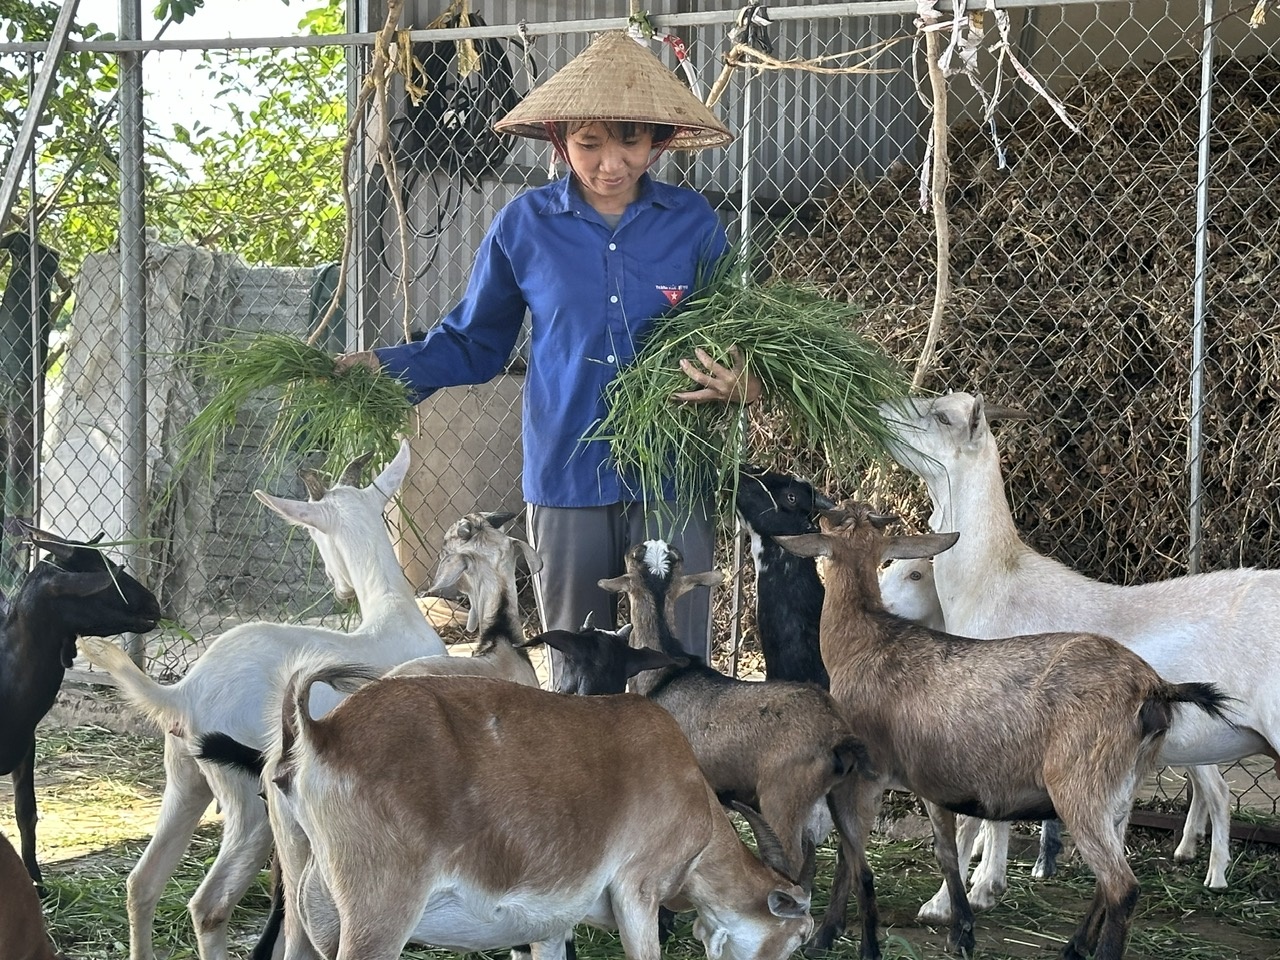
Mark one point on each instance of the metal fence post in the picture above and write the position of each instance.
(1195, 440)
(133, 308)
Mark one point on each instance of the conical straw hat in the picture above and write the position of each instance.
(616, 78)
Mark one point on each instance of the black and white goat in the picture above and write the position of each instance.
(788, 589)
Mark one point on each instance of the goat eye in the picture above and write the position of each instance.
(943, 419)
(792, 499)
(914, 575)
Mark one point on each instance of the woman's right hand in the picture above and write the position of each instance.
(363, 358)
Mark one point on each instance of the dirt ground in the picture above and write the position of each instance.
(99, 793)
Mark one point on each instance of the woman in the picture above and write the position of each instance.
(594, 258)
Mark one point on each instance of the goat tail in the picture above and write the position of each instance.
(1156, 713)
(295, 714)
(163, 704)
(226, 751)
(850, 756)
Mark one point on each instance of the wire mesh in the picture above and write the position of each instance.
(1072, 263)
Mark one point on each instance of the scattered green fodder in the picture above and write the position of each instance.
(1175, 916)
(822, 379)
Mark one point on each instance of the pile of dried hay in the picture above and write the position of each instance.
(1073, 298)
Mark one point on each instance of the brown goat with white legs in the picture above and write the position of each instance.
(1021, 728)
(475, 814)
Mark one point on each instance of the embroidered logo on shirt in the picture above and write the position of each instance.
(674, 294)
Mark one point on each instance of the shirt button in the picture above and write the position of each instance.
(610, 358)
(613, 299)
(613, 246)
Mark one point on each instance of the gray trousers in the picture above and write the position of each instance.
(581, 545)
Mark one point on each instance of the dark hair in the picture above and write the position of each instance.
(621, 129)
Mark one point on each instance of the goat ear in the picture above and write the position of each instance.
(59, 548)
(615, 584)
(499, 520)
(784, 904)
(919, 547)
(393, 474)
(531, 556)
(353, 472)
(713, 939)
(975, 415)
(303, 513)
(806, 545)
(691, 581)
(81, 584)
(448, 578)
(316, 485)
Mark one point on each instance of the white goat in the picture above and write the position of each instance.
(1221, 627)
(908, 591)
(479, 559)
(228, 690)
(575, 809)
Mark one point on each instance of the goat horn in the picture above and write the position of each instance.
(590, 622)
(499, 520)
(316, 485)
(1005, 413)
(881, 520)
(767, 843)
(355, 470)
(809, 868)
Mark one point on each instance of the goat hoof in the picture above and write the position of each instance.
(937, 911)
(962, 944)
(984, 897)
(1044, 869)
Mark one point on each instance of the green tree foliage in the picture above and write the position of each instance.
(260, 177)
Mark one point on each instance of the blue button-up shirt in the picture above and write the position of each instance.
(592, 293)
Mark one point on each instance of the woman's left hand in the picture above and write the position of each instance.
(720, 384)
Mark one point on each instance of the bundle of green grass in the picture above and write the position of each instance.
(822, 381)
(315, 408)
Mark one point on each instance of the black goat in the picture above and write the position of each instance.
(788, 591)
(79, 592)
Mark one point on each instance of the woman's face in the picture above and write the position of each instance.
(609, 168)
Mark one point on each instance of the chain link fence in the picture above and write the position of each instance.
(1114, 217)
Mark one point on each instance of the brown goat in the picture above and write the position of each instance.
(1021, 728)
(22, 931)
(779, 745)
(475, 814)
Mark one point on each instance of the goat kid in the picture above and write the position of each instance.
(778, 745)
(1007, 729)
(1222, 627)
(229, 688)
(576, 810)
(788, 588)
(22, 931)
(78, 593)
(478, 560)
